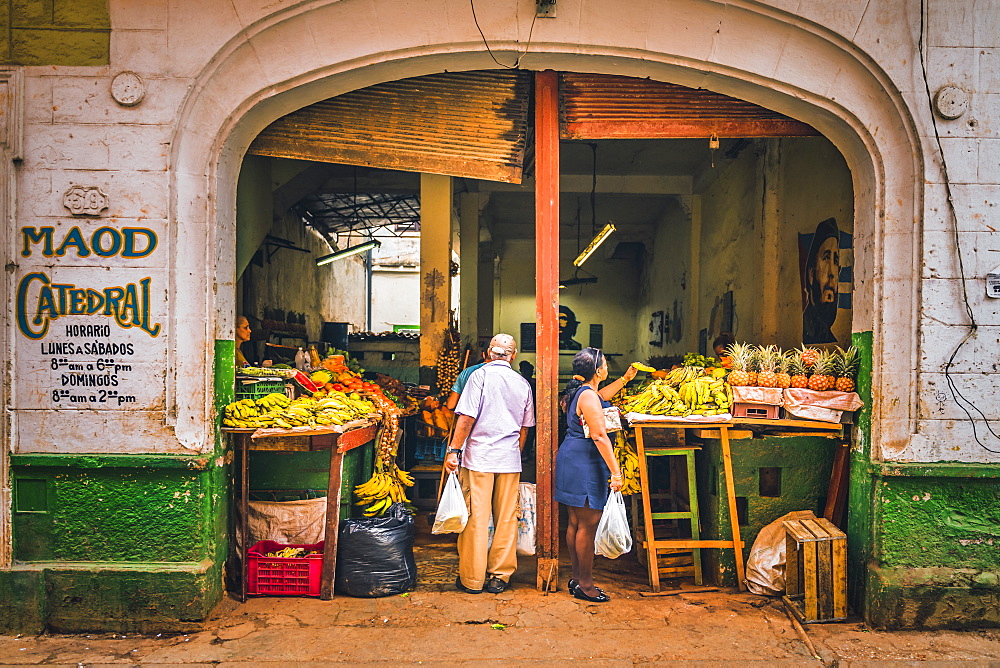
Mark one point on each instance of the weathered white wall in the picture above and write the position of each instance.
(666, 285)
(811, 183)
(611, 302)
(217, 73)
(291, 281)
(395, 298)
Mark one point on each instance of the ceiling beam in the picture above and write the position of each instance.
(634, 184)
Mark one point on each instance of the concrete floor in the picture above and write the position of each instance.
(438, 625)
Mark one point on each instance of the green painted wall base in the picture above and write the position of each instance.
(803, 464)
(99, 597)
(935, 556)
(938, 598)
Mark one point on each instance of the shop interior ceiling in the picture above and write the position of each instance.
(635, 182)
(475, 126)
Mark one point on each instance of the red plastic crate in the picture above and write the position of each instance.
(758, 411)
(276, 576)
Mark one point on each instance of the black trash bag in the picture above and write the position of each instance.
(375, 555)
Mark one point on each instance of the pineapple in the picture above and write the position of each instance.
(767, 358)
(846, 369)
(753, 366)
(740, 357)
(797, 370)
(809, 356)
(821, 378)
(782, 379)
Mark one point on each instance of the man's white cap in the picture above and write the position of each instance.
(503, 344)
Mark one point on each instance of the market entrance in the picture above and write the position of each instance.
(714, 208)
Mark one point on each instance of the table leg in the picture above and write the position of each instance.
(734, 520)
(244, 515)
(652, 565)
(329, 572)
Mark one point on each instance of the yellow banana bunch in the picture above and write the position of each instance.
(383, 489)
(288, 553)
(628, 462)
(272, 401)
(683, 374)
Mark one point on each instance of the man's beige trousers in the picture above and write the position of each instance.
(487, 493)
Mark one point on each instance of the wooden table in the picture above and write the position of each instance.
(338, 444)
(713, 429)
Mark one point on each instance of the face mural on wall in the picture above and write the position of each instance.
(568, 325)
(824, 263)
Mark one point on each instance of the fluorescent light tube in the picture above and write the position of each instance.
(594, 244)
(348, 252)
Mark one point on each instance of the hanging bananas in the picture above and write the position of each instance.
(628, 462)
(383, 489)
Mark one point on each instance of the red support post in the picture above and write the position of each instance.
(547, 319)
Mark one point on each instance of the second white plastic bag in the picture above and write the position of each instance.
(614, 537)
(452, 513)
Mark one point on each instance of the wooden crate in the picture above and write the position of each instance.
(815, 570)
(756, 411)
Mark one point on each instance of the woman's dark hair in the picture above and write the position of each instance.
(585, 365)
(724, 339)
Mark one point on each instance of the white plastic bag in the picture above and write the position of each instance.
(452, 513)
(614, 538)
(526, 519)
(766, 565)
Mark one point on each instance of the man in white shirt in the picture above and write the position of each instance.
(492, 420)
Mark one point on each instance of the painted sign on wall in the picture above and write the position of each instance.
(89, 318)
(826, 278)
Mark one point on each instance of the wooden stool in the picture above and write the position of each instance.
(650, 543)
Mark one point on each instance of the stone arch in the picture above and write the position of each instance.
(791, 65)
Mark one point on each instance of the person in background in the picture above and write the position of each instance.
(493, 416)
(721, 343)
(242, 336)
(463, 378)
(527, 370)
(585, 465)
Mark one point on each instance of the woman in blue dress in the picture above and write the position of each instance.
(585, 465)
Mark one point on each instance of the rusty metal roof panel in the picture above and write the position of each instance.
(470, 124)
(600, 106)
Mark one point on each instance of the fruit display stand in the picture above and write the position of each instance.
(706, 429)
(338, 443)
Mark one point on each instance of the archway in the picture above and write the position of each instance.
(826, 83)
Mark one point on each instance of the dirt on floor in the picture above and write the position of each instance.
(435, 624)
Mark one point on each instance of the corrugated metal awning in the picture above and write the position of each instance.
(469, 124)
(601, 106)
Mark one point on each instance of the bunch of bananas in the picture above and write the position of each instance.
(682, 374)
(706, 395)
(276, 410)
(291, 553)
(384, 488)
(250, 414)
(701, 395)
(628, 462)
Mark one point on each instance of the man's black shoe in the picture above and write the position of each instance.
(496, 586)
(462, 587)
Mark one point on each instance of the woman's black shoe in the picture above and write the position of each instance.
(572, 586)
(583, 596)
